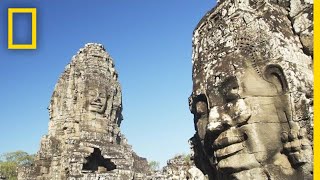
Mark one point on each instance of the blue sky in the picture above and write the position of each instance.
(151, 43)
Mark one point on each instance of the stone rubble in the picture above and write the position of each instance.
(180, 167)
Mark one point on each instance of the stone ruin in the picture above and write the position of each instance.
(84, 139)
(252, 96)
(252, 102)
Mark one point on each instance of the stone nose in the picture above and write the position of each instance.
(232, 114)
(97, 99)
(218, 120)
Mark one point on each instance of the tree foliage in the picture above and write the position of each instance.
(154, 165)
(185, 157)
(10, 161)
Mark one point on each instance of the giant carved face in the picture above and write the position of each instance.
(241, 116)
(97, 100)
(252, 86)
(98, 93)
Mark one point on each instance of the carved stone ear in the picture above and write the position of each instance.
(193, 100)
(191, 104)
(274, 74)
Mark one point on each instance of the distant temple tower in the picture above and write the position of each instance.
(84, 139)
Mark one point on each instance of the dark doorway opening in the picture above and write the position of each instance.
(96, 160)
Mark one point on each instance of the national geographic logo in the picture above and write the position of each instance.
(33, 12)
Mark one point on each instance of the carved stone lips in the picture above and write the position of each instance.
(229, 142)
(96, 104)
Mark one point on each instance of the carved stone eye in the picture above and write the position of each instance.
(229, 89)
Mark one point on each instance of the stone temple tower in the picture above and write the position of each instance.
(84, 139)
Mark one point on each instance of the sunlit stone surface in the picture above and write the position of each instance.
(252, 96)
(84, 139)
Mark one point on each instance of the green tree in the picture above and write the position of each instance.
(10, 161)
(187, 158)
(154, 165)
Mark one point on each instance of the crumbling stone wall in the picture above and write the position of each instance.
(180, 167)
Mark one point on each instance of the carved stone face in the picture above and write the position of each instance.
(251, 82)
(241, 116)
(97, 99)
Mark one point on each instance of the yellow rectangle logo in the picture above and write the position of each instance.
(33, 44)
